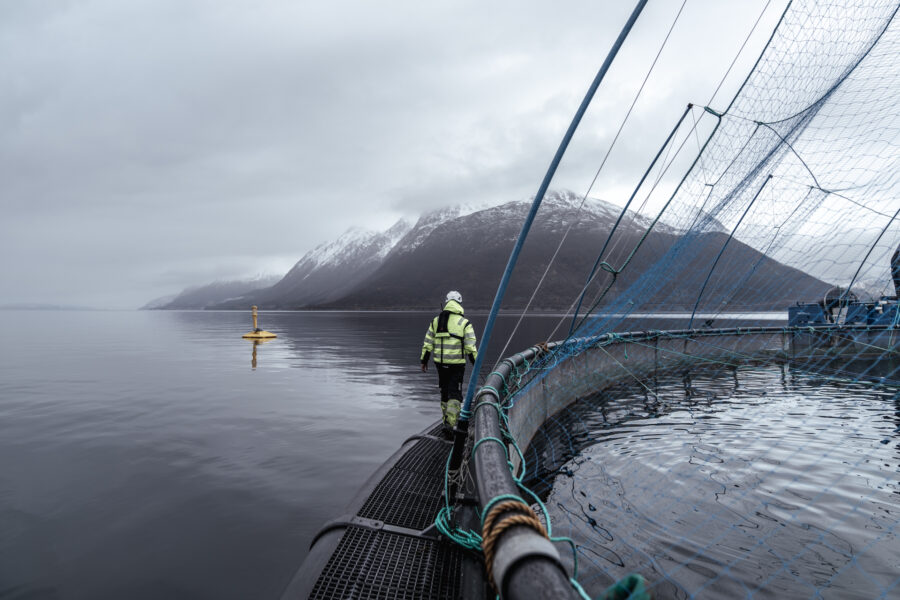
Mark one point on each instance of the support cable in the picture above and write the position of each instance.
(539, 197)
(722, 250)
(622, 214)
(665, 169)
(718, 115)
(866, 257)
(659, 178)
(609, 150)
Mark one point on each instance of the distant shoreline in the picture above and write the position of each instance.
(767, 315)
(53, 307)
(777, 315)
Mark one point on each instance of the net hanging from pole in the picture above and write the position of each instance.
(724, 448)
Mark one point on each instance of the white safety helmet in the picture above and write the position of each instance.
(454, 295)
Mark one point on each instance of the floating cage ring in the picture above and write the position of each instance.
(492, 530)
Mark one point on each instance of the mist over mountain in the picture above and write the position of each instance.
(329, 271)
(160, 303)
(211, 294)
(411, 266)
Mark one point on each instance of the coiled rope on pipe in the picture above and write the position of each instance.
(491, 530)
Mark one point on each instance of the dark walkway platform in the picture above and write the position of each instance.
(386, 546)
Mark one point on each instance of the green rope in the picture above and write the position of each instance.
(498, 374)
(630, 587)
(493, 405)
(465, 538)
(584, 595)
(490, 439)
(543, 509)
(521, 461)
(471, 539)
(491, 388)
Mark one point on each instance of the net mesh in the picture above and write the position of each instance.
(801, 167)
(714, 457)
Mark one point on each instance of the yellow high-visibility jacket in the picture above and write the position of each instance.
(450, 337)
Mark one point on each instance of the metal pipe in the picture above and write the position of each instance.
(526, 565)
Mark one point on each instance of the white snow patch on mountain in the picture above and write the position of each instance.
(562, 208)
(326, 253)
(393, 236)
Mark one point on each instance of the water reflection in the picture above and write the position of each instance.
(206, 465)
(217, 473)
(883, 369)
(255, 344)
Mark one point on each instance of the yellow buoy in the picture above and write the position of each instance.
(257, 333)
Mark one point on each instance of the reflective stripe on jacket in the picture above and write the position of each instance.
(450, 342)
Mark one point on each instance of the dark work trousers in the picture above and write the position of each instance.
(450, 378)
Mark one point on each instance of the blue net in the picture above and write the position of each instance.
(721, 413)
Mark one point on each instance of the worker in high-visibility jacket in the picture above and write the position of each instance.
(450, 339)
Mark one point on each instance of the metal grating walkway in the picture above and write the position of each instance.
(428, 457)
(377, 564)
(405, 499)
(411, 493)
(382, 554)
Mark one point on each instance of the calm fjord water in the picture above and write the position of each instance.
(142, 456)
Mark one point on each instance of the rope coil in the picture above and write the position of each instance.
(492, 529)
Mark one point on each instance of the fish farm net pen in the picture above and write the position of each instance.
(790, 204)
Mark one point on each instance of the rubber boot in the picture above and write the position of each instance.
(447, 429)
(453, 408)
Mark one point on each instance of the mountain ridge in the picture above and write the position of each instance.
(411, 265)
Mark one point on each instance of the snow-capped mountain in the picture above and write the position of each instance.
(333, 269)
(330, 270)
(469, 252)
(355, 244)
(429, 221)
(411, 266)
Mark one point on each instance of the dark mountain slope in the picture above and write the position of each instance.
(413, 266)
(470, 253)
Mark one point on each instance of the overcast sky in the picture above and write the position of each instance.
(147, 145)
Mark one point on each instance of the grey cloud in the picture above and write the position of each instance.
(146, 143)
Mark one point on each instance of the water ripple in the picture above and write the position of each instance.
(773, 483)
